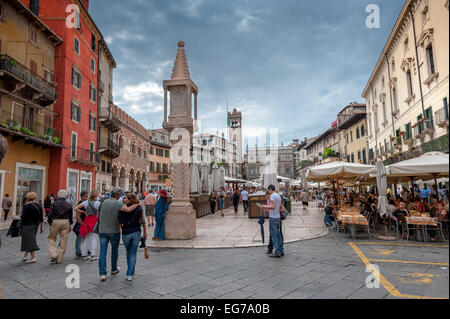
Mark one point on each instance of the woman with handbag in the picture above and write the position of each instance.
(160, 214)
(30, 218)
(131, 231)
(91, 207)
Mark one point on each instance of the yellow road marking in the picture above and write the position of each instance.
(386, 284)
(401, 244)
(409, 262)
(383, 252)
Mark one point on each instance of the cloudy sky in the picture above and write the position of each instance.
(286, 64)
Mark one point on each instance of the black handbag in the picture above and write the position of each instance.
(76, 228)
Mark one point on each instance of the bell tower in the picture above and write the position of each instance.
(236, 133)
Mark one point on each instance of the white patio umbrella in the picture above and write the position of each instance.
(204, 170)
(339, 171)
(215, 178)
(270, 174)
(382, 187)
(221, 177)
(428, 166)
(195, 179)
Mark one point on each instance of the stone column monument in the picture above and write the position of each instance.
(181, 217)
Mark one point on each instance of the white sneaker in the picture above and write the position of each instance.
(94, 258)
(103, 278)
(31, 261)
(129, 278)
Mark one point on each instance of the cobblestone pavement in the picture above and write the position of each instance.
(330, 267)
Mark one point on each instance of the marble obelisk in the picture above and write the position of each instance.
(181, 217)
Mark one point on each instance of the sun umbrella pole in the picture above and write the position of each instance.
(412, 187)
(338, 193)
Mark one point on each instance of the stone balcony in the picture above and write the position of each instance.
(441, 117)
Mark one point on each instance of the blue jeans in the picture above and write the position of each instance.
(270, 246)
(160, 230)
(131, 243)
(104, 241)
(275, 234)
(245, 203)
(78, 244)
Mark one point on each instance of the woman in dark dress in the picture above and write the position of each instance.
(236, 198)
(212, 202)
(31, 218)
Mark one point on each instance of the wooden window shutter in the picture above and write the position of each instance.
(79, 114)
(33, 67)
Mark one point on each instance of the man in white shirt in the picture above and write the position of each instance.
(244, 198)
(275, 222)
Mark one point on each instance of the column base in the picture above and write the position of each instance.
(180, 221)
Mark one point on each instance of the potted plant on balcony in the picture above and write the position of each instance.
(56, 140)
(11, 123)
(12, 62)
(392, 138)
(27, 131)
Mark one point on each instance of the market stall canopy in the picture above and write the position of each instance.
(340, 171)
(427, 166)
(236, 180)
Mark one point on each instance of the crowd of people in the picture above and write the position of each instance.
(430, 201)
(107, 218)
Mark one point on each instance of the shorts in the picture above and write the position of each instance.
(149, 210)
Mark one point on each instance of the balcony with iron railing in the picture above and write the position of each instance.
(82, 156)
(108, 148)
(422, 128)
(441, 117)
(32, 131)
(34, 87)
(107, 118)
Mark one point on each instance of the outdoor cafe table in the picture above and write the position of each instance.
(423, 221)
(353, 218)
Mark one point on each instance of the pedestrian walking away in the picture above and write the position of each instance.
(6, 206)
(305, 198)
(160, 215)
(221, 201)
(244, 198)
(236, 197)
(86, 230)
(31, 219)
(131, 232)
(149, 202)
(81, 215)
(109, 231)
(59, 219)
(213, 202)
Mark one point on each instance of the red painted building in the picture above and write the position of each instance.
(76, 73)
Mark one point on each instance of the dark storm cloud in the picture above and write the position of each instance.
(288, 64)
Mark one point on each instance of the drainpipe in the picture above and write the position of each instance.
(390, 94)
(375, 128)
(417, 60)
(98, 95)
